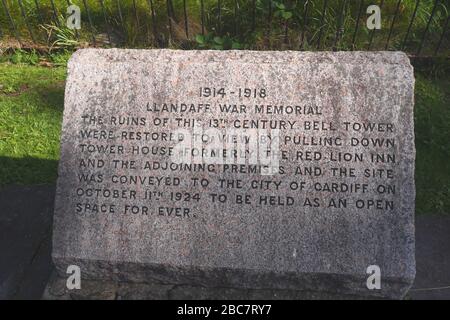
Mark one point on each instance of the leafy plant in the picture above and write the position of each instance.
(282, 11)
(60, 36)
(22, 56)
(210, 41)
(60, 58)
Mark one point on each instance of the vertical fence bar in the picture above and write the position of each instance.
(186, 27)
(322, 21)
(119, 9)
(1, 32)
(172, 10)
(372, 34)
(442, 35)
(154, 27)
(361, 5)
(38, 10)
(11, 22)
(392, 24)
(269, 24)
(24, 16)
(136, 16)
(427, 27)
(236, 18)
(108, 27)
(253, 15)
(305, 15)
(340, 27)
(410, 24)
(202, 16)
(55, 13)
(219, 16)
(91, 26)
(147, 32)
(286, 28)
(169, 17)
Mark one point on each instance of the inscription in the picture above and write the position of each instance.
(212, 158)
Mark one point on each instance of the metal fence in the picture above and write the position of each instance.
(417, 27)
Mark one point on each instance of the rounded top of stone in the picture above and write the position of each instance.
(91, 55)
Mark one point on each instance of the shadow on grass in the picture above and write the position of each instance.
(52, 97)
(27, 170)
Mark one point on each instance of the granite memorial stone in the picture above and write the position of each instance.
(284, 170)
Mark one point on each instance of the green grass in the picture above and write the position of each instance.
(432, 126)
(31, 105)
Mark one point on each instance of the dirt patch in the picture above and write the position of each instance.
(23, 87)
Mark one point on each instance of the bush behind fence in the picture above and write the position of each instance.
(419, 27)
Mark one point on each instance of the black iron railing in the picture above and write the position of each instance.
(418, 27)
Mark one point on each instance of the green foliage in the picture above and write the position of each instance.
(210, 41)
(55, 58)
(277, 24)
(31, 105)
(22, 56)
(432, 129)
(282, 11)
(59, 36)
(60, 58)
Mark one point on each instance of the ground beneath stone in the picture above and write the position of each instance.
(25, 263)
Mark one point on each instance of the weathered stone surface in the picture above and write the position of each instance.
(109, 290)
(90, 290)
(299, 230)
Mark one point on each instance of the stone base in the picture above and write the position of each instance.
(203, 277)
(109, 290)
